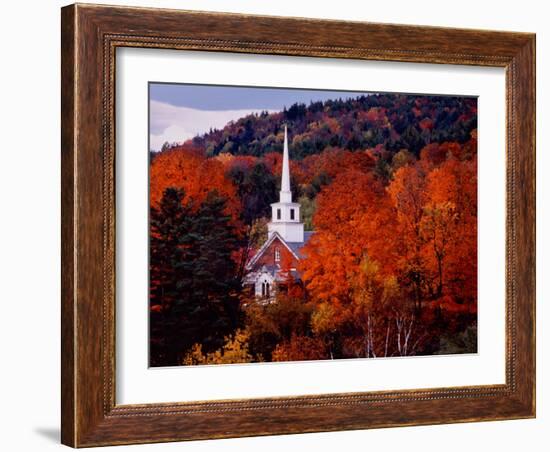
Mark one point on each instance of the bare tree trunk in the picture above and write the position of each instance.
(367, 338)
(408, 335)
(399, 326)
(371, 340)
(405, 329)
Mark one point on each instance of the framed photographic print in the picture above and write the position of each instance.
(279, 225)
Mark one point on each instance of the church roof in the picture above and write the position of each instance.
(296, 247)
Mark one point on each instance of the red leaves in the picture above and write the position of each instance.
(353, 219)
(424, 225)
(188, 169)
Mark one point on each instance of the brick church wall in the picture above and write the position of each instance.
(268, 257)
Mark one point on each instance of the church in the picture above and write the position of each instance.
(276, 260)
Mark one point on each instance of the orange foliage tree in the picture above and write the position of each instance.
(381, 255)
(436, 210)
(450, 225)
(188, 169)
(353, 219)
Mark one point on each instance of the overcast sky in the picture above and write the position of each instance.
(179, 112)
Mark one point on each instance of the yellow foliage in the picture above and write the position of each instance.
(324, 319)
(235, 350)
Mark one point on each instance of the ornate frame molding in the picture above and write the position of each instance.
(90, 37)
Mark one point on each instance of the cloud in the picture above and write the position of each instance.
(174, 124)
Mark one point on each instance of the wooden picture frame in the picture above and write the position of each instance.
(90, 36)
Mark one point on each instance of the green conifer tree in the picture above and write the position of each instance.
(193, 277)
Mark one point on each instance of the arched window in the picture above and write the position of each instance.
(277, 254)
(265, 289)
(292, 214)
(278, 214)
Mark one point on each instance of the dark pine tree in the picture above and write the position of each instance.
(257, 189)
(193, 277)
(167, 224)
(215, 286)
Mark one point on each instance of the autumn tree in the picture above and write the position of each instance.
(353, 219)
(436, 206)
(408, 195)
(307, 210)
(235, 350)
(188, 169)
(451, 228)
(271, 324)
(300, 348)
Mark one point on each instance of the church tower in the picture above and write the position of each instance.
(285, 214)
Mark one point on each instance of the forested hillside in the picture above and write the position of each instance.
(393, 121)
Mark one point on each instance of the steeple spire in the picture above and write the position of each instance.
(285, 195)
(285, 214)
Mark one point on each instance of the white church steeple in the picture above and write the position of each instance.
(285, 214)
(285, 195)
